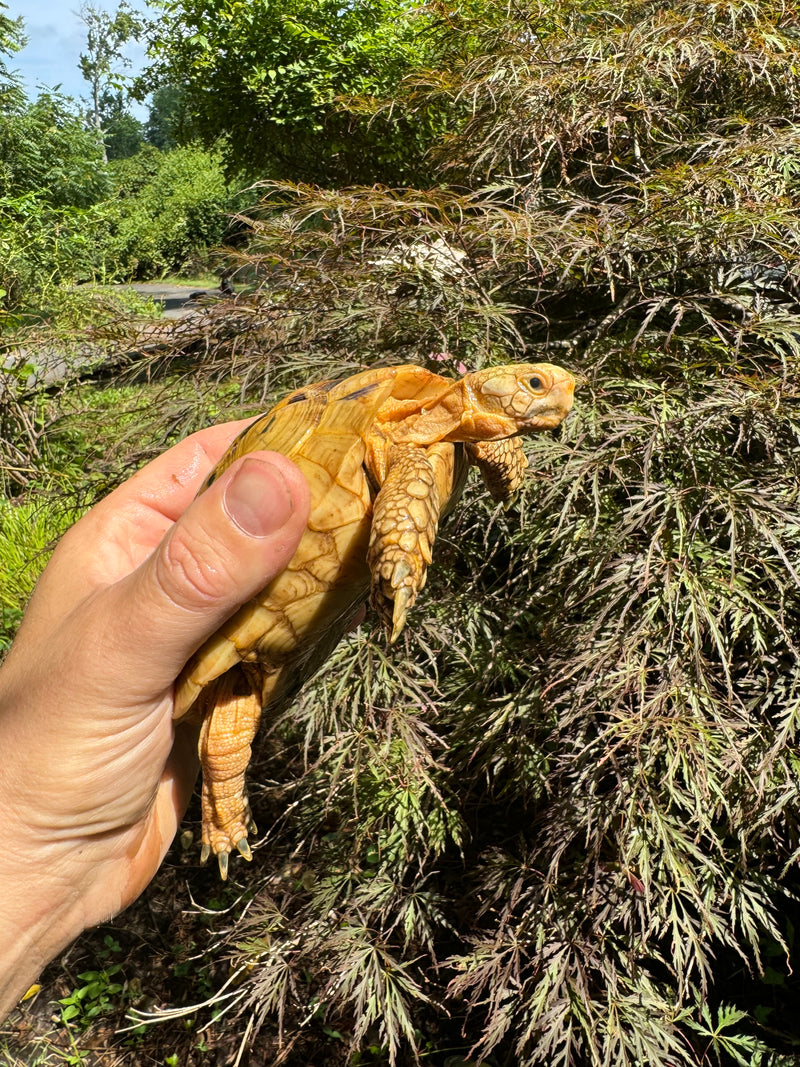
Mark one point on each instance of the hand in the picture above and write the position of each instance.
(94, 777)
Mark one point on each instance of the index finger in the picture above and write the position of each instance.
(169, 483)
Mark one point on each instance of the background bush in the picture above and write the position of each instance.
(66, 216)
(168, 208)
(45, 148)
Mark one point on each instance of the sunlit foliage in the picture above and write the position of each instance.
(264, 79)
(547, 823)
(555, 823)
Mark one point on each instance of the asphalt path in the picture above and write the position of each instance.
(51, 365)
(173, 297)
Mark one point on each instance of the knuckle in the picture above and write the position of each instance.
(192, 571)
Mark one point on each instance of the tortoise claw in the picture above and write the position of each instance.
(223, 857)
(403, 599)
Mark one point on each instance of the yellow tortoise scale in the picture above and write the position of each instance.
(385, 453)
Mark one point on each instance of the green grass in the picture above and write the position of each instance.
(28, 533)
(200, 280)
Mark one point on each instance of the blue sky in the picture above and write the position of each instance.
(56, 37)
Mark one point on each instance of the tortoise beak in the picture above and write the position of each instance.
(559, 401)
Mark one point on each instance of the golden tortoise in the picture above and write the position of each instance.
(385, 453)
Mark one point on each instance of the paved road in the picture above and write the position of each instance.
(173, 297)
(51, 365)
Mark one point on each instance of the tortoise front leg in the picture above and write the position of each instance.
(501, 463)
(226, 736)
(405, 518)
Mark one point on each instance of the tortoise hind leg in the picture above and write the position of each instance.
(226, 736)
(405, 519)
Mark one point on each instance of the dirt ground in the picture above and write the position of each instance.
(164, 952)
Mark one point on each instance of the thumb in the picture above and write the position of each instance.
(231, 542)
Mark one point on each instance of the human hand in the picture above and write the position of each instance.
(94, 777)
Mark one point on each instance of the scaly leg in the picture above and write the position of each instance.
(226, 736)
(501, 463)
(405, 518)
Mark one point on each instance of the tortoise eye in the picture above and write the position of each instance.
(535, 383)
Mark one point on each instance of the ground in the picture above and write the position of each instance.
(163, 952)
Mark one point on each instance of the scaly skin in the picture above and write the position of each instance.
(405, 518)
(226, 736)
(502, 465)
(383, 452)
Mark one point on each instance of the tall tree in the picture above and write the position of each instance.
(101, 63)
(169, 122)
(269, 77)
(123, 133)
(12, 38)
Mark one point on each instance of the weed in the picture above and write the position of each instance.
(100, 992)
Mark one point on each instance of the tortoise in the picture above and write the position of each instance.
(386, 453)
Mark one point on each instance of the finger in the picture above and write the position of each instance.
(169, 483)
(231, 542)
(123, 529)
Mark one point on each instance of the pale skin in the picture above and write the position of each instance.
(94, 776)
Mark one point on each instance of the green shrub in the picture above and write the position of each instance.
(46, 149)
(42, 245)
(67, 217)
(52, 184)
(169, 207)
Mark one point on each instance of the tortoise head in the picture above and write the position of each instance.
(518, 398)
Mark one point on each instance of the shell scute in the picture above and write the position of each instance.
(330, 462)
(363, 390)
(252, 621)
(298, 611)
(339, 505)
(315, 543)
(351, 539)
(418, 384)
